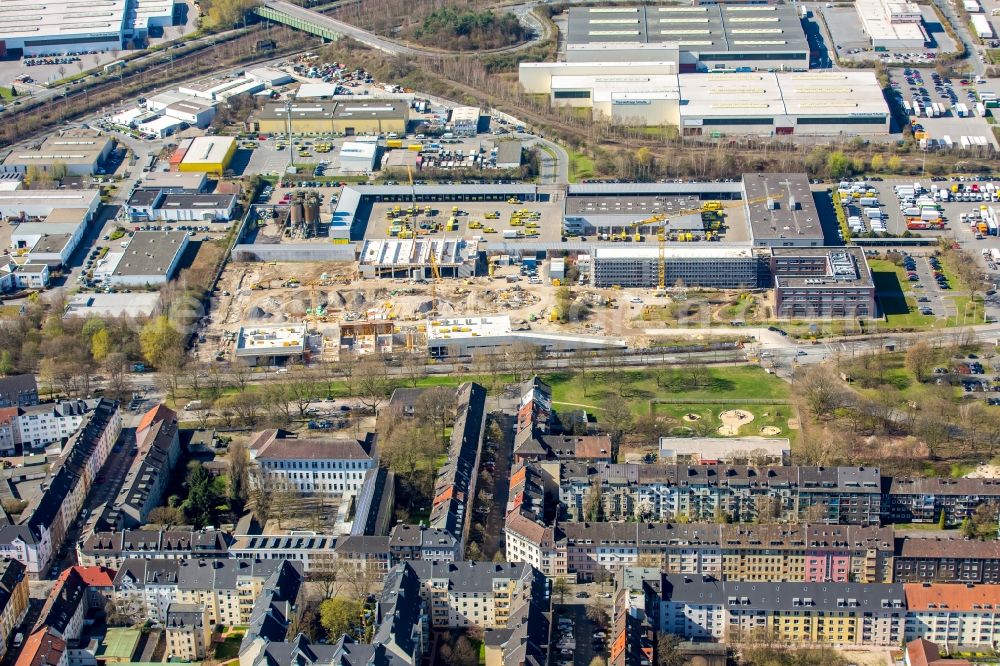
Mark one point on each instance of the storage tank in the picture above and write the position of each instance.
(297, 212)
(311, 209)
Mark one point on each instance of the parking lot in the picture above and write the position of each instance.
(10, 69)
(471, 219)
(851, 43)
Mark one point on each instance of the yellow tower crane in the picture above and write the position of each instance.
(715, 206)
(435, 278)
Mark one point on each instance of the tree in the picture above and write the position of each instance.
(667, 650)
(260, 496)
(560, 588)
(202, 504)
(6, 363)
(920, 360)
(618, 419)
(157, 339)
(817, 386)
(373, 381)
(166, 516)
(239, 479)
(339, 616)
(460, 653)
(877, 163)
(597, 613)
(598, 660)
(593, 505)
(894, 164)
(436, 406)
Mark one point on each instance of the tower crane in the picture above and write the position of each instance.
(662, 236)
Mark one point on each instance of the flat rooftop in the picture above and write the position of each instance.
(271, 340)
(138, 304)
(781, 206)
(79, 147)
(373, 108)
(878, 19)
(468, 327)
(417, 252)
(713, 28)
(185, 180)
(150, 253)
(815, 94)
(206, 201)
(208, 149)
(61, 19)
(51, 244)
(676, 252)
(844, 266)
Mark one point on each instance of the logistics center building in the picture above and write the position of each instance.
(701, 38)
(65, 26)
(741, 103)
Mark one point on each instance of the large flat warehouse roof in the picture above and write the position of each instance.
(704, 28)
(417, 252)
(390, 109)
(61, 19)
(815, 94)
(80, 147)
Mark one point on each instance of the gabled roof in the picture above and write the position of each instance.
(43, 648)
(159, 413)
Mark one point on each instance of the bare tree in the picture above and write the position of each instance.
(436, 406)
(920, 360)
(373, 383)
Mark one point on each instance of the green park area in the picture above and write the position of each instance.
(700, 392)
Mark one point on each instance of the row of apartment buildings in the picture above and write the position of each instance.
(314, 553)
(832, 613)
(793, 552)
(37, 426)
(157, 448)
(741, 493)
(43, 525)
(82, 597)
(509, 602)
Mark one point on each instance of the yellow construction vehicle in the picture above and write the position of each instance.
(513, 201)
(516, 222)
(495, 215)
(489, 230)
(475, 224)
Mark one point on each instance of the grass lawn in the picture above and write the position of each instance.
(5, 93)
(229, 648)
(764, 415)
(580, 166)
(895, 294)
(639, 387)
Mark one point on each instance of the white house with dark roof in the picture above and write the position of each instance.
(312, 465)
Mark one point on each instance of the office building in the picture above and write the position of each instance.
(822, 283)
(313, 464)
(270, 344)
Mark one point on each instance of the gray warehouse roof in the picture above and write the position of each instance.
(151, 252)
(701, 28)
(781, 206)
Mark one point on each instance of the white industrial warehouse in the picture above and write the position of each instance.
(745, 103)
(892, 24)
(65, 26)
